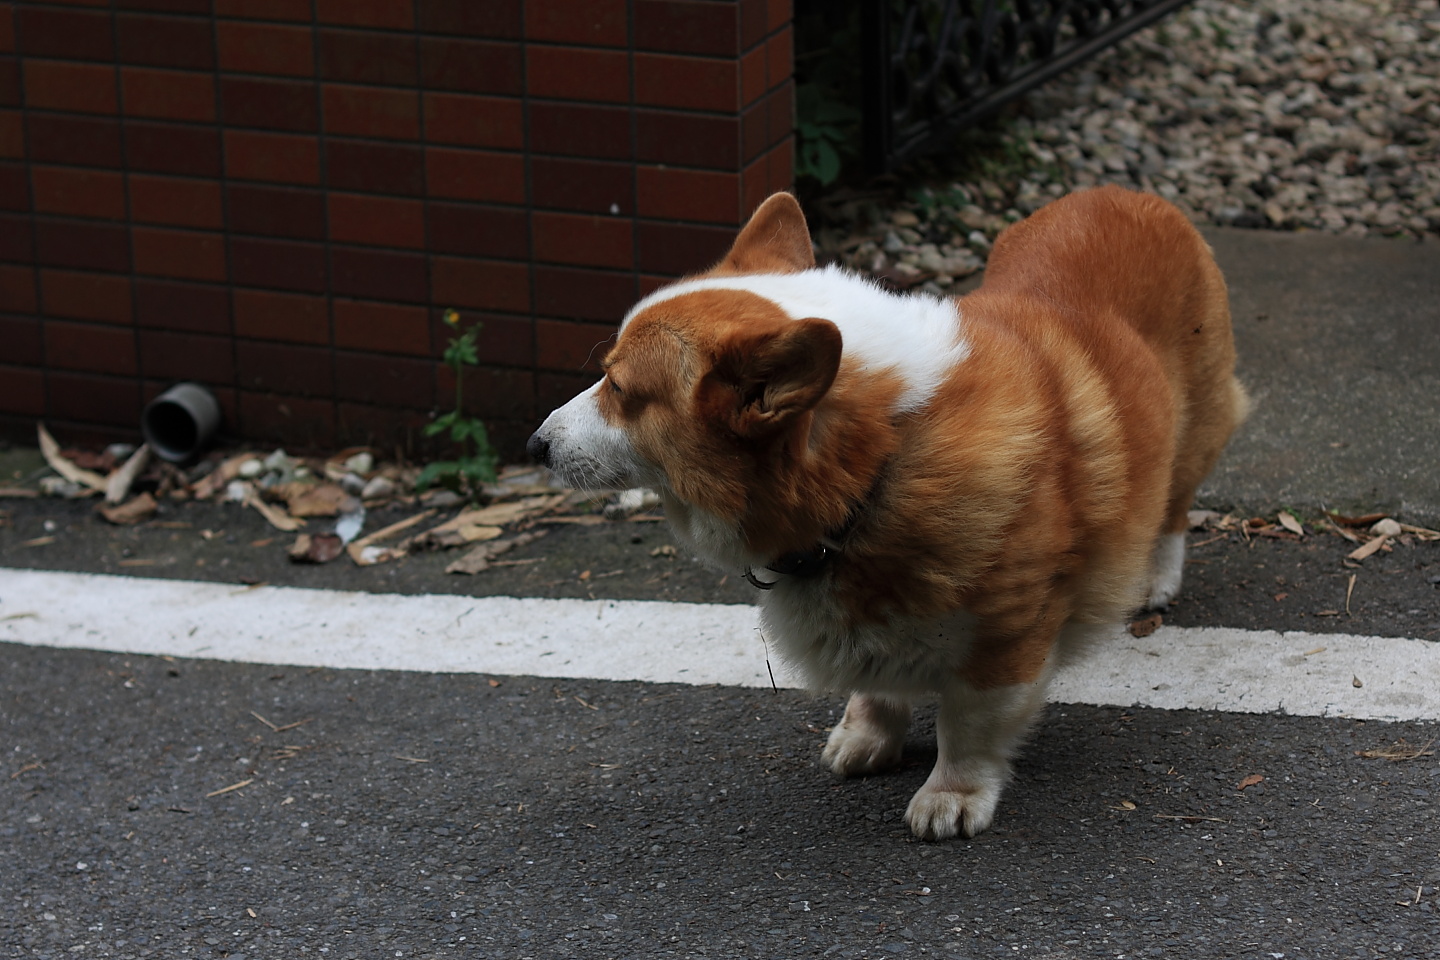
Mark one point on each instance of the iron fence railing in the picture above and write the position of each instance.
(933, 67)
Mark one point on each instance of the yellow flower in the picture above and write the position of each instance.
(452, 317)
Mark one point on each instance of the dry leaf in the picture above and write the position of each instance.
(320, 500)
(1368, 549)
(275, 516)
(1289, 522)
(51, 451)
(118, 484)
(478, 558)
(217, 479)
(316, 548)
(139, 508)
(1250, 781)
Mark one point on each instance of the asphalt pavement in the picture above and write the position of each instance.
(168, 805)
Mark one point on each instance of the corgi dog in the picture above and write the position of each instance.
(939, 498)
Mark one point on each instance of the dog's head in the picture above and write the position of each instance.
(709, 386)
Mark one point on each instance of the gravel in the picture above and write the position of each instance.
(1276, 114)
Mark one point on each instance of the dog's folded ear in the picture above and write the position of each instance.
(776, 240)
(769, 377)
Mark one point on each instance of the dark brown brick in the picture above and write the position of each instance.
(280, 264)
(80, 140)
(278, 157)
(73, 87)
(376, 168)
(590, 186)
(283, 368)
(572, 294)
(20, 344)
(17, 289)
(379, 275)
(77, 192)
(589, 240)
(583, 131)
(493, 18)
(193, 307)
(297, 423)
(479, 231)
(86, 296)
(474, 175)
(367, 13)
(265, 48)
(578, 73)
(380, 221)
(295, 11)
(687, 139)
(167, 94)
(689, 83)
(385, 428)
(277, 211)
(481, 284)
(290, 317)
(492, 392)
(69, 34)
(90, 348)
(176, 201)
(356, 56)
(164, 148)
(17, 243)
(381, 327)
(592, 22)
(83, 246)
(474, 121)
(270, 104)
(471, 66)
(165, 41)
(386, 380)
(699, 195)
(179, 254)
(504, 340)
(187, 356)
(675, 249)
(572, 346)
(684, 26)
(371, 112)
(91, 399)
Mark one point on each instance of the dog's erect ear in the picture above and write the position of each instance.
(776, 240)
(773, 376)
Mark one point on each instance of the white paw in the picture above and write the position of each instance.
(1167, 569)
(965, 807)
(857, 750)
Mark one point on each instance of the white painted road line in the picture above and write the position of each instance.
(1301, 674)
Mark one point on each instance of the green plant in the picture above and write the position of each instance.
(825, 133)
(475, 466)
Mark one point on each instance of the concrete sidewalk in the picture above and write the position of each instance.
(1339, 343)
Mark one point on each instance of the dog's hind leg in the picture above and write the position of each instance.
(869, 738)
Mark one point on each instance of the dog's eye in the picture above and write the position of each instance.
(614, 386)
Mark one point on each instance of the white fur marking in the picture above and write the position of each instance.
(1167, 569)
(587, 452)
(916, 335)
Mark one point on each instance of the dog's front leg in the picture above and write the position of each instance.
(869, 738)
(977, 733)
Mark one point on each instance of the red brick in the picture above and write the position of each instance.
(474, 121)
(388, 380)
(375, 168)
(77, 87)
(780, 56)
(168, 355)
(14, 188)
(21, 343)
(176, 201)
(584, 131)
(7, 28)
(17, 289)
(576, 73)
(371, 112)
(492, 18)
(685, 26)
(168, 305)
(755, 130)
(593, 22)
(357, 56)
(291, 10)
(164, 6)
(86, 296)
(265, 48)
(482, 284)
(93, 399)
(573, 294)
(572, 346)
(754, 81)
(687, 139)
(168, 148)
(284, 368)
(12, 134)
(79, 193)
(167, 94)
(591, 241)
(700, 195)
(272, 104)
(71, 34)
(277, 211)
(384, 428)
(83, 246)
(471, 66)
(675, 249)
(82, 140)
(474, 175)
(272, 156)
(9, 82)
(779, 13)
(691, 83)
(394, 14)
(382, 221)
(180, 254)
(182, 42)
(591, 186)
(554, 389)
(381, 327)
(281, 316)
(298, 423)
(89, 348)
(754, 186)
(379, 275)
(22, 391)
(281, 264)
(479, 231)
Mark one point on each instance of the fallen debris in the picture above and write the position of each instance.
(275, 516)
(50, 450)
(1145, 626)
(316, 548)
(479, 558)
(137, 509)
(118, 484)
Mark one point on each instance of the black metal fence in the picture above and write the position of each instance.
(933, 67)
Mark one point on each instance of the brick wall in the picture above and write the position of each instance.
(279, 198)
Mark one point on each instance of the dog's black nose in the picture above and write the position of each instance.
(539, 449)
